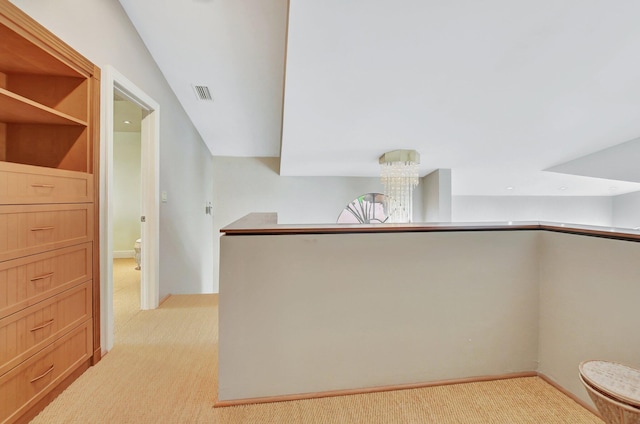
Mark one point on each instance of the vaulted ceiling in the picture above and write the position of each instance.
(530, 96)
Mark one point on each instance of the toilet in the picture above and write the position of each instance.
(137, 247)
(614, 389)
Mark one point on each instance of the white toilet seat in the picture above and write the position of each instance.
(619, 382)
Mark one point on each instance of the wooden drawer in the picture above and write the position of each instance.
(31, 229)
(24, 333)
(22, 184)
(30, 381)
(29, 280)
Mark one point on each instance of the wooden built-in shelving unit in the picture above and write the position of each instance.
(49, 255)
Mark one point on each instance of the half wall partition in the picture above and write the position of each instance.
(309, 311)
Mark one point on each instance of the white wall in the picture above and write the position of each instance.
(626, 210)
(126, 190)
(436, 196)
(101, 31)
(245, 185)
(569, 209)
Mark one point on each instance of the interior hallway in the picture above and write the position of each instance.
(162, 369)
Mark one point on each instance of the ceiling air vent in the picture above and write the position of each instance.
(202, 92)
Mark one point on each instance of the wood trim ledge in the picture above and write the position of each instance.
(317, 395)
(332, 393)
(164, 299)
(260, 224)
(573, 397)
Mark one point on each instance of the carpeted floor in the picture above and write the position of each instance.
(126, 293)
(163, 370)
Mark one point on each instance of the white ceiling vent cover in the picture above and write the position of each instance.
(202, 92)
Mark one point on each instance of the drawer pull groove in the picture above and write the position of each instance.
(44, 374)
(42, 277)
(43, 325)
(42, 228)
(43, 185)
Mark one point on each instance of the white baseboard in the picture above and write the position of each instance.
(119, 254)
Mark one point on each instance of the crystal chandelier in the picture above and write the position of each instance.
(399, 175)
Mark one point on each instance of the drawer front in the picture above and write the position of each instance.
(29, 280)
(20, 184)
(24, 333)
(31, 229)
(29, 382)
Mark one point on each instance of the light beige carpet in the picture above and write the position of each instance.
(126, 293)
(163, 370)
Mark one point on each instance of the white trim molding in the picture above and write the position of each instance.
(114, 81)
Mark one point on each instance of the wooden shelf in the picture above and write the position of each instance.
(22, 52)
(18, 109)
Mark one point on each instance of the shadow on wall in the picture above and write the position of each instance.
(271, 163)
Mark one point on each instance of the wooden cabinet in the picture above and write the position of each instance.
(31, 279)
(30, 229)
(23, 184)
(23, 386)
(49, 270)
(24, 333)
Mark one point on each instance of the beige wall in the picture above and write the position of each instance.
(589, 304)
(327, 312)
(308, 313)
(246, 185)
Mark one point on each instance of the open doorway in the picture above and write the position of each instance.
(126, 203)
(115, 88)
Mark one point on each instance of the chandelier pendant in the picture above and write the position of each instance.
(399, 175)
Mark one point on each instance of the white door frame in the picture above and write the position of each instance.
(150, 134)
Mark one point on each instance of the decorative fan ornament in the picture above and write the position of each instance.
(366, 209)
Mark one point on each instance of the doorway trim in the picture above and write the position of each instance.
(114, 82)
